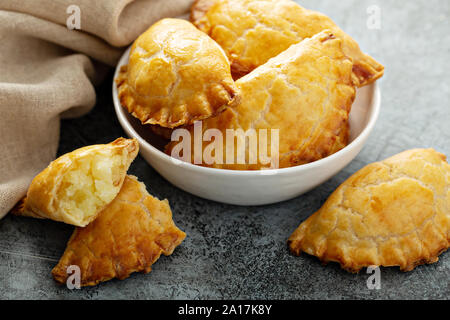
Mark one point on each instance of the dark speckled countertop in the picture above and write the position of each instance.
(240, 252)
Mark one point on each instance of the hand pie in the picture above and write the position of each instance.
(78, 185)
(176, 74)
(391, 213)
(306, 93)
(128, 236)
(253, 31)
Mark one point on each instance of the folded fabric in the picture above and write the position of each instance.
(49, 71)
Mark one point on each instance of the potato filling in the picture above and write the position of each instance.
(91, 183)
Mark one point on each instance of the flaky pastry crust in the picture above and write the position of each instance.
(175, 74)
(253, 31)
(306, 93)
(390, 213)
(75, 187)
(128, 236)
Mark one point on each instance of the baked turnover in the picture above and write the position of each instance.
(390, 213)
(128, 236)
(175, 74)
(253, 31)
(306, 92)
(78, 185)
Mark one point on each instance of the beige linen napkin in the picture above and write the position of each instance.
(47, 71)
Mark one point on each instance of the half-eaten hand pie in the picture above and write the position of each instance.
(390, 213)
(78, 185)
(128, 236)
(306, 93)
(176, 74)
(253, 31)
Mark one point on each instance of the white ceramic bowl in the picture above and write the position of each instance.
(252, 187)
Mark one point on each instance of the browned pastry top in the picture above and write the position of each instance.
(128, 236)
(253, 31)
(306, 93)
(176, 74)
(390, 213)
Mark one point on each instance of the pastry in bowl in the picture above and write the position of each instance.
(175, 75)
(128, 236)
(253, 31)
(305, 93)
(78, 185)
(390, 213)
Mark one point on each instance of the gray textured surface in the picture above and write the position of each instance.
(240, 252)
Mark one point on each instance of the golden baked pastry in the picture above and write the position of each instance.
(253, 31)
(306, 92)
(128, 236)
(390, 213)
(78, 185)
(176, 74)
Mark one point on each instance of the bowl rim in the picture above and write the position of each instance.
(126, 125)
